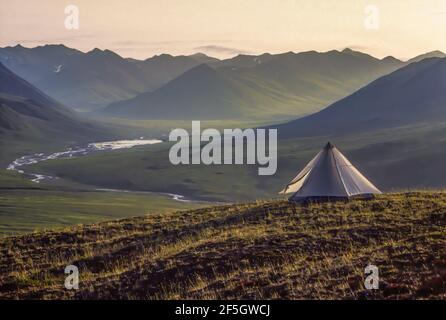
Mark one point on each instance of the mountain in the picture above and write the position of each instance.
(212, 85)
(320, 77)
(280, 85)
(37, 63)
(262, 87)
(243, 60)
(29, 119)
(12, 85)
(432, 54)
(160, 69)
(79, 80)
(411, 95)
(202, 58)
(87, 81)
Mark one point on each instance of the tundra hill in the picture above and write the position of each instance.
(258, 250)
(261, 87)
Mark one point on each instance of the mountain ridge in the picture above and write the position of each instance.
(409, 95)
(94, 79)
(268, 86)
(31, 120)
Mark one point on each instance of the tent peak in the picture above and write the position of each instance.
(329, 146)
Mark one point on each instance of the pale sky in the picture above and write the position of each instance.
(224, 28)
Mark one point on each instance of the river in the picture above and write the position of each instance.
(20, 163)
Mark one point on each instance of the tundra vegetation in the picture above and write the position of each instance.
(259, 250)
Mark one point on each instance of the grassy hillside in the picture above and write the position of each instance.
(30, 210)
(251, 251)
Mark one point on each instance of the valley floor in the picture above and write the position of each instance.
(26, 206)
(260, 250)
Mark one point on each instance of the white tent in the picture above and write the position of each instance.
(329, 175)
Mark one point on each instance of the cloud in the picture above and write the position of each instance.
(221, 50)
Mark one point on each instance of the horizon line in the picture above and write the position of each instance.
(210, 56)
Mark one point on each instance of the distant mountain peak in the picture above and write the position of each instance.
(163, 56)
(390, 59)
(356, 53)
(60, 45)
(198, 54)
(203, 58)
(56, 48)
(348, 50)
(100, 52)
(95, 50)
(438, 52)
(431, 54)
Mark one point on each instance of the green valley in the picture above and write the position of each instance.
(26, 207)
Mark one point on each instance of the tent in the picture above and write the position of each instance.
(329, 176)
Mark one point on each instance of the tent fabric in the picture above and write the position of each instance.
(329, 175)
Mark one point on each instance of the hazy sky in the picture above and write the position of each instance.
(223, 28)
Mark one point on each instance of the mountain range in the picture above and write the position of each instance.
(87, 81)
(266, 86)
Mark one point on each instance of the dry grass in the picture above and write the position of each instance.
(262, 250)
